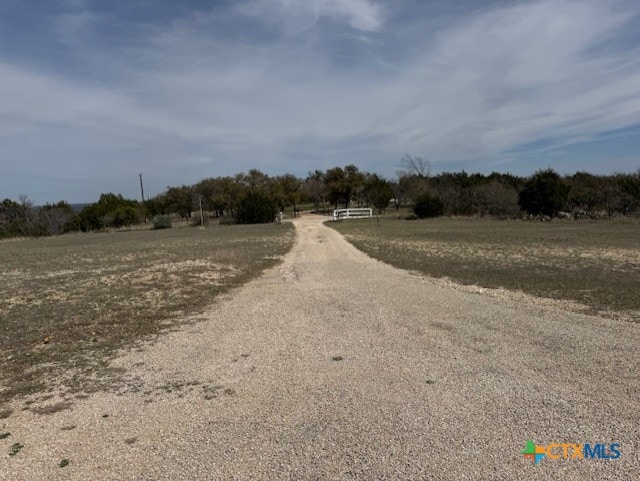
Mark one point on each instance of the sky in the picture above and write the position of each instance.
(95, 92)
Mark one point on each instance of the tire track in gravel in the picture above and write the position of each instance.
(336, 366)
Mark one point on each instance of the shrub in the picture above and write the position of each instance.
(110, 211)
(497, 199)
(122, 217)
(545, 193)
(161, 222)
(256, 207)
(427, 205)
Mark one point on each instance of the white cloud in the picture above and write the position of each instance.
(519, 74)
(552, 70)
(506, 77)
(360, 14)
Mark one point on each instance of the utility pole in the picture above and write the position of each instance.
(201, 216)
(144, 215)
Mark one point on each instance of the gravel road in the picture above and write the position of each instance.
(336, 366)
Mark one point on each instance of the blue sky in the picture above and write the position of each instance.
(92, 93)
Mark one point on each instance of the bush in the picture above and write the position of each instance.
(161, 222)
(545, 193)
(427, 205)
(110, 211)
(122, 217)
(497, 199)
(256, 207)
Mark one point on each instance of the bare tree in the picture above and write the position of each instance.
(315, 186)
(52, 220)
(28, 216)
(411, 165)
(413, 178)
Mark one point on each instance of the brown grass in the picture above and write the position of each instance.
(596, 264)
(68, 302)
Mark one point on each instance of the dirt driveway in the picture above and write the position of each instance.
(336, 366)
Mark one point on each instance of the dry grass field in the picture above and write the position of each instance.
(68, 302)
(596, 264)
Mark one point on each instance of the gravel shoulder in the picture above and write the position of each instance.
(336, 366)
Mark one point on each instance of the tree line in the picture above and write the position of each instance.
(255, 197)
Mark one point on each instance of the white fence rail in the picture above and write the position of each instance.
(339, 214)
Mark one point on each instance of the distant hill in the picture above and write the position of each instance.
(78, 207)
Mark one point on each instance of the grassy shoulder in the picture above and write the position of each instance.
(68, 302)
(594, 263)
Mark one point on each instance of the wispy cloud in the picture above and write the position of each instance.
(300, 15)
(295, 85)
(360, 14)
(513, 75)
